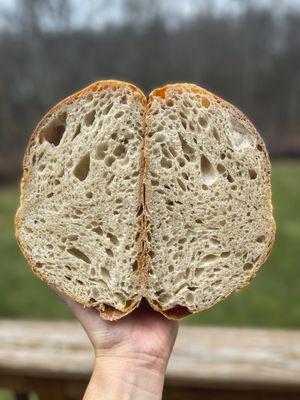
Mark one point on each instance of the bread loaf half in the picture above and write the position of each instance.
(170, 200)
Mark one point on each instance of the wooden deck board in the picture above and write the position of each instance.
(202, 357)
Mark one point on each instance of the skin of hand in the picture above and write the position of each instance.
(131, 354)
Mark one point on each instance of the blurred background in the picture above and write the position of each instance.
(245, 51)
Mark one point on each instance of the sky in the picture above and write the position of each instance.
(92, 10)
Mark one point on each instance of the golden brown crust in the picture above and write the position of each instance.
(107, 312)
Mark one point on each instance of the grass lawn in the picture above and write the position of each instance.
(272, 299)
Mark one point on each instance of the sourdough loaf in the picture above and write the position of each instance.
(169, 200)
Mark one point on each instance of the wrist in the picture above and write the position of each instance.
(134, 377)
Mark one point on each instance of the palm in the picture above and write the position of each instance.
(144, 331)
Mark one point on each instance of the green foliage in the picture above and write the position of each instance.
(8, 395)
(271, 300)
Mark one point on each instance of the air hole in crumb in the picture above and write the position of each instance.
(41, 156)
(107, 108)
(154, 182)
(221, 169)
(165, 151)
(230, 178)
(169, 202)
(181, 162)
(79, 254)
(187, 149)
(248, 267)
(183, 123)
(205, 102)
(210, 258)
(113, 238)
(170, 103)
(105, 273)
(165, 163)
(72, 237)
(187, 104)
(109, 252)
(261, 239)
(123, 99)
(110, 180)
(120, 151)
(216, 134)
(41, 167)
(98, 230)
(170, 268)
(82, 168)
(90, 118)
(54, 131)
(172, 150)
(259, 147)
(190, 298)
(50, 195)
(109, 160)
(252, 173)
(77, 131)
(198, 272)
(222, 156)
(225, 254)
(203, 122)
(160, 138)
(164, 298)
(208, 171)
(181, 184)
(89, 195)
(134, 265)
(101, 150)
(119, 114)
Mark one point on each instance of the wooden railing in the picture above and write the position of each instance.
(54, 360)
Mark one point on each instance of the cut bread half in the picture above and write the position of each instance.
(77, 224)
(171, 202)
(211, 222)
